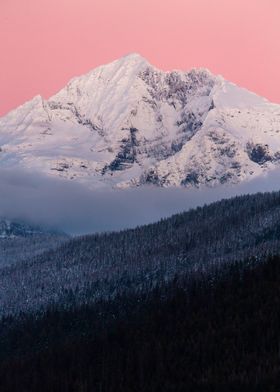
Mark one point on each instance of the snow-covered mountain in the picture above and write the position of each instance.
(127, 124)
(12, 229)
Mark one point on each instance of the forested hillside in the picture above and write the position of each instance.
(103, 266)
(20, 241)
(190, 303)
(212, 337)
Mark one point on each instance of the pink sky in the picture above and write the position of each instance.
(44, 43)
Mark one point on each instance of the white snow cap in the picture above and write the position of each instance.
(128, 124)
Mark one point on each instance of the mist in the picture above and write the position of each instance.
(73, 208)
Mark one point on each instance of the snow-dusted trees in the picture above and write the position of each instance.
(105, 265)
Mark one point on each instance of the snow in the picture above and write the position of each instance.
(127, 123)
(228, 95)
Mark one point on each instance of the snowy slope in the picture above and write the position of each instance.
(127, 124)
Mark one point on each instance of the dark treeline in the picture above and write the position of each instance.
(111, 264)
(216, 335)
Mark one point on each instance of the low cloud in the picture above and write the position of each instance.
(75, 209)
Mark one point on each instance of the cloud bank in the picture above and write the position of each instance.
(73, 208)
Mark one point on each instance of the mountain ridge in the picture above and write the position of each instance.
(129, 124)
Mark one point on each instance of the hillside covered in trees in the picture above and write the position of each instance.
(190, 303)
(222, 337)
(20, 241)
(100, 266)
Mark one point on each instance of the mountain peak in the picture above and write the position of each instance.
(132, 60)
(128, 123)
(133, 56)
